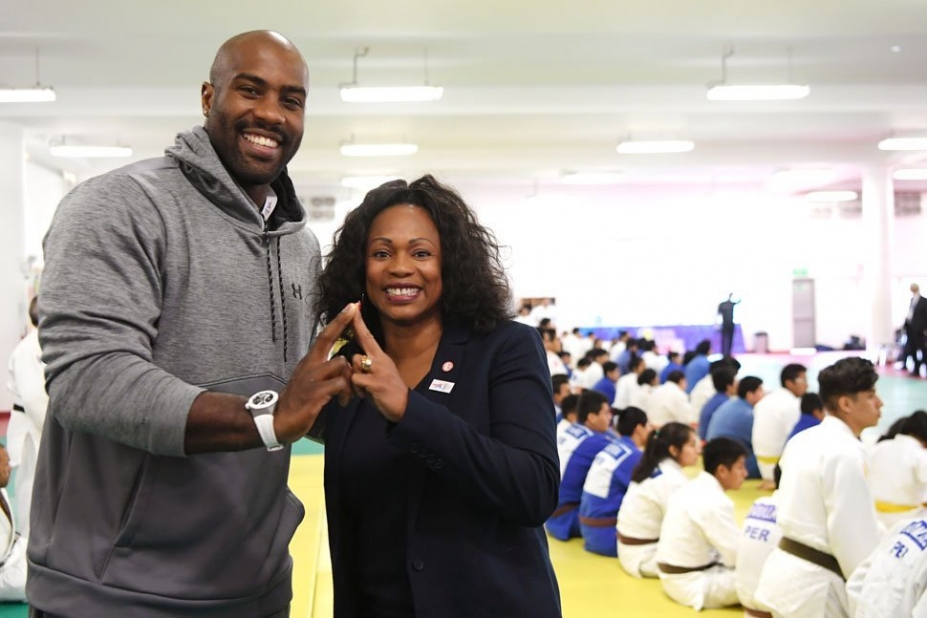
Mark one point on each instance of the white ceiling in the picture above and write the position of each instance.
(532, 89)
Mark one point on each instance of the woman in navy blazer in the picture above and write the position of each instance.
(441, 472)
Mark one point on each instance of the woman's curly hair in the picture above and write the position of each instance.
(475, 288)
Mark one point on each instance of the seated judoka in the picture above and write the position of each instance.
(734, 419)
(812, 413)
(12, 545)
(724, 380)
(760, 537)
(892, 580)
(698, 543)
(582, 442)
(897, 472)
(608, 480)
(774, 416)
(670, 403)
(656, 477)
(565, 442)
(705, 389)
(825, 510)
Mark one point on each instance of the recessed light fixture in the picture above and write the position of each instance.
(912, 173)
(90, 152)
(831, 196)
(592, 178)
(903, 143)
(896, 49)
(352, 93)
(366, 182)
(655, 146)
(378, 150)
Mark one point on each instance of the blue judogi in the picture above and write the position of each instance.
(606, 484)
(697, 369)
(565, 525)
(805, 421)
(734, 419)
(607, 388)
(708, 410)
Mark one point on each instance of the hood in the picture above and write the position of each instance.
(201, 165)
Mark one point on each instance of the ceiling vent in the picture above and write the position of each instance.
(319, 207)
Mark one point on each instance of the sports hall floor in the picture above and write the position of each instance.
(591, 586)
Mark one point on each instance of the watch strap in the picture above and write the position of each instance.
(265, 427)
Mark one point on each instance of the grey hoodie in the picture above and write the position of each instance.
(162, 281)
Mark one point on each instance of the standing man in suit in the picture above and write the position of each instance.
(914, 325)
(726, 315)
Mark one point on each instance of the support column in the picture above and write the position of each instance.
(878, 229)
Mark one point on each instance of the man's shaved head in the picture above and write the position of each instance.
(224, 61)
(255, 107)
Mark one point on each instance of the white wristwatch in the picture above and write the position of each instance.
(262, 406)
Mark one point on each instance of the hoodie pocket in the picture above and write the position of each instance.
(136, 507)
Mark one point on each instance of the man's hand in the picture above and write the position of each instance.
(314, 383)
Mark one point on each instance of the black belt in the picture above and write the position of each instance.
(812, 555)
(18, 408)
(598, 522)
(630, 540)
(566, 508)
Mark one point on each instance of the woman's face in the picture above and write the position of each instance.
(403, 264)
(690, 451)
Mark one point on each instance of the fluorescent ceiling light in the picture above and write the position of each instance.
(910, 174)
(378, 150)
(27, 95)
(831, 196)
(90, 152)
(592, 178)
(800, 176)
(903, 143)
(758, 92)
(655, 146)
(396, 94)
(365, 182)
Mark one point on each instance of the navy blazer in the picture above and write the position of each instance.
(488, 478)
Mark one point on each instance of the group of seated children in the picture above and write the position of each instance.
(811, 549)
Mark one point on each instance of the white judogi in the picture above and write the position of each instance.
(774, 417)
(760, 537)
(699, 529)
(657, 362)
(555, 364)
(824, 503)
(891, 581)
(669, 403)
(12, 555)
(567, 441)
(898, 479)
(641, 398)
(24, 434)
(703, 391)
(624, 390)
(641, 516)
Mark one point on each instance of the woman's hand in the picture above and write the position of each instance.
(375, 375)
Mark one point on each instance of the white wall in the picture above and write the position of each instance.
(614, 257)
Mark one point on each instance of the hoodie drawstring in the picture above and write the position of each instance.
(270, 284)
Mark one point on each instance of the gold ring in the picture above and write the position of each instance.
(366, 364)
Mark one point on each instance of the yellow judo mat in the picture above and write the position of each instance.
(591, 586)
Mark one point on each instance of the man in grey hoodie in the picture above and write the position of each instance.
(175, 289)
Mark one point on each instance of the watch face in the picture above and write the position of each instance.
(263, 399)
